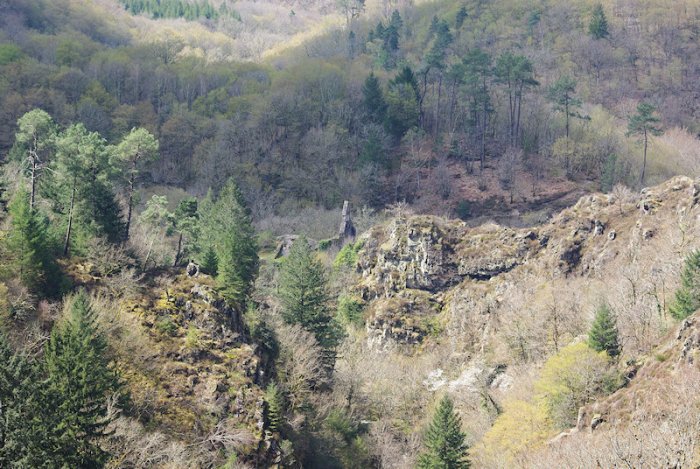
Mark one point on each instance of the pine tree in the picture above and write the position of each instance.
(304, 296)
(598, 27)
(136, 150)
(603, 336)
(687, 299)
(80, 380)
(444, 440)
(643, 124)
(36, 136)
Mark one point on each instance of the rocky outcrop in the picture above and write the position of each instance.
(411, 267)
(193, 371)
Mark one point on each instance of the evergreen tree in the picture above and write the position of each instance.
(517, 74)
(23, 434)
(83, 187)
(186, 224)
(275, 407)
(603, 336)
(687, 299)
(304, 296)
(374, 99)
(461, 16)
(210, 262)
(562, 95)
(228, 229)
(36, 135)
(31, 247)
(598, 27)
(136, 150)
(444, 440)
(80, 380)
(644, 124)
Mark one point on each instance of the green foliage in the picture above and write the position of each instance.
(24, 434)
(572, 378)
(9, 53)
(402, 108)
(598, 26)
(190, 10)
(644, 124)
(687, 298)
(210, 262)
(186, 223)
(79, 382)
(347, 256)
(87, 205)
(374, 99)
(227, 228)
(464, 209)
(136, 150)
(444, 440)
(303, 292)
(562, 94)
(350, 310)
(609, 176)
(31, 248)
(275, 407)
(166, 326)
(603, 336)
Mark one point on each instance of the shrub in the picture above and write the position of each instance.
(350, 310)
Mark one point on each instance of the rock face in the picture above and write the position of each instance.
(194, 372)
(347, 231)
(419, 272)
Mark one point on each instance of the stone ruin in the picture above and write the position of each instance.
(346, 234)
(347, 231)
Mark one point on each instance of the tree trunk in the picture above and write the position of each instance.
(437, 106)
(566, 110)
(66, 244)
(131, 205)
(179, 251)
(517, 125)
(644, 163)
(33, 184)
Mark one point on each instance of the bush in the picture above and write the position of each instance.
(166, 326)
(350, 310)
(347, 257)
(572, 378)
(464, 209)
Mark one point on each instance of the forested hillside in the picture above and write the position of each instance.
(171, 269)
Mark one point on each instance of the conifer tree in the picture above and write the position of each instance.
(23, 434)
(374, 99)
(210, 262)
(304, 296)
(83, 188)
(137, 149)
(36, 136)
(644, 124)
(603, 336)
(30, 244)
(80, 380)
(275, 407)
(228, 229)
(444, 440)
(598, 27)
(687, 299)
